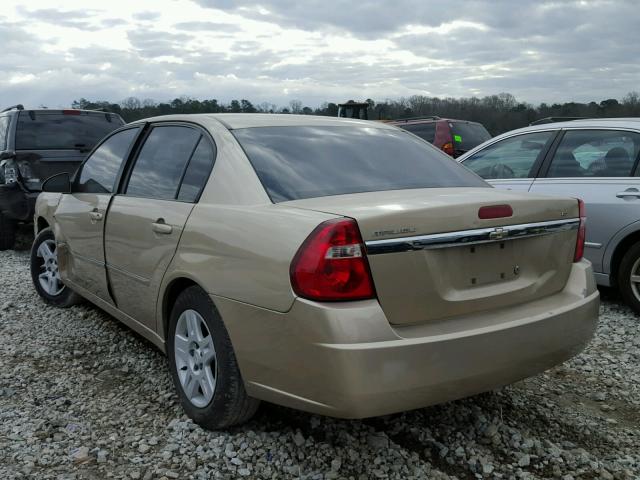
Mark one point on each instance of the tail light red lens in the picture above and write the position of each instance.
(579, 252)
(331, 265)
(495, 211)
(448, 148)
(71, 112)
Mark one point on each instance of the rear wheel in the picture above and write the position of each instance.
(629, 277)
(7, 232)
(203, 364)
(45, 273)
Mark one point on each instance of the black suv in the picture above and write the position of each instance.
(36, 144)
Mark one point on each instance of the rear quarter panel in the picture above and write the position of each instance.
(243, 253)
(614, 242)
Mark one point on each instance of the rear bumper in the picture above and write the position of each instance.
(16, 203)
(345, 360)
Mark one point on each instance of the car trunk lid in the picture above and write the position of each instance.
(433, 258)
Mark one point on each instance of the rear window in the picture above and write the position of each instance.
(468, 135)
(55, 131)
(426, 131)
(304, 162)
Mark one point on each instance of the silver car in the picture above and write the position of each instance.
(592, 159)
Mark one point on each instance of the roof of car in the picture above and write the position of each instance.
(248, 120)
(432, 119)
(12, 110)
(631, 122)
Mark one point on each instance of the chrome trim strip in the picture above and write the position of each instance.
(592, 244)
(470, 237)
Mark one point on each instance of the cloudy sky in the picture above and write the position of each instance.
(316, 50)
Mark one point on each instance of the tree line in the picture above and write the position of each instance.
(498, 113)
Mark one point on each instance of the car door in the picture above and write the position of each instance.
(146, 219)
(512, 162)
(597, 166)
(80, 214)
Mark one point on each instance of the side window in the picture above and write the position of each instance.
(4, 125)
(426, 131)
(595, 153)
(512, 157)
(197, 172)
(162, 161)
(98, 174)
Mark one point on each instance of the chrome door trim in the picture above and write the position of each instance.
(470, 237)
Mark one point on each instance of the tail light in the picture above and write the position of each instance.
(448, 148)
(10, 171)
(579, 252)
(495, 211)
(331, 265)
(71, 112)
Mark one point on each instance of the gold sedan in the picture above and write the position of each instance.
(337, 266)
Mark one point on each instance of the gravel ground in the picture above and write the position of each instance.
(83, 397)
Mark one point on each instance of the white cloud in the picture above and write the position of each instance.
(277, 50)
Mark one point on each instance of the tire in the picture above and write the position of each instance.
(630, 266)
(194, 327)
(7, 232)
(45, 274)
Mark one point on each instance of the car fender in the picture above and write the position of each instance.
(613, 243)
(46, 205)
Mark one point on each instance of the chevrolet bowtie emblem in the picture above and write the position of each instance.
(498, 234)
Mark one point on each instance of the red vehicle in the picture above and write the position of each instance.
(453, 137)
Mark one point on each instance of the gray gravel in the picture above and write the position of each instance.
(81, 396)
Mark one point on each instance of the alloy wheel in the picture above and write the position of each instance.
(50, 277)
(195, 358)
(635, 279)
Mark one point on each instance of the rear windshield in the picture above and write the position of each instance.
(54, 131)
(305, 162)
(426, 131)
(468, 135)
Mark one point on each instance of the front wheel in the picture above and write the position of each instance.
(45, 273)
(629, 277)
(203, 364)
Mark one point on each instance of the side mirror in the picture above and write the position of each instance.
(59, 183)
(7, 155)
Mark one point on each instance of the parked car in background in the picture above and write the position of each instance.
(453, 137)
(333, 281)
(35, 144)
(592, 159)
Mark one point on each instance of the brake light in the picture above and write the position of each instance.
(71, 112)
(331, 264)
(495, 211)
(579, 252)
(448, 148)
(10, 172)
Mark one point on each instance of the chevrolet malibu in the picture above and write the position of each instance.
(341, 267)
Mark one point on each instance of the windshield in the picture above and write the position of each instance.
(304, 162)
(468, 135)
(55, 131)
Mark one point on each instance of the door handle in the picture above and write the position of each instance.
(95, 216)
(159, 226)
(629, 192)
